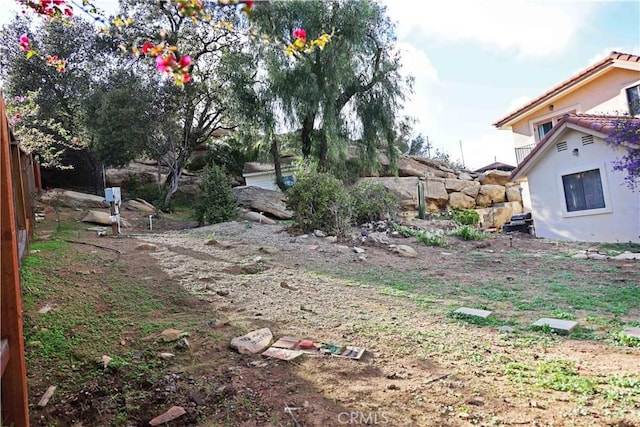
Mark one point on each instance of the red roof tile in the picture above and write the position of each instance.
(599, 66)
(599, 123)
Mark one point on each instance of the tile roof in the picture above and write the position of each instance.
(596, 122)
(595, 68)
(496, 165)
(255, 167)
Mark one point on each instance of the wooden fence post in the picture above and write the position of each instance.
(14, 403)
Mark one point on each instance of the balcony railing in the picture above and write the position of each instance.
(522, 152)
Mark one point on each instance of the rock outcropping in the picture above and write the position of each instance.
(490, 193)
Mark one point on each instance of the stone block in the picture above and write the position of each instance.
(473, 312)
(632, 332)
(557, 324)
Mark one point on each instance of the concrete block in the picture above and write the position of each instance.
(632, 332)
(473, 312)
(557, 324)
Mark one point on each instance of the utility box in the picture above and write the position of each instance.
(113, 195)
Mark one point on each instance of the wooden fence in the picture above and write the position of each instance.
(19, 182)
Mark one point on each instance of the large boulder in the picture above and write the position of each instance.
(513, 194)
(499, 214)
(408, 166)
(73, 199)
(263, 200)
(489, 194)
(472, 190)
(435, 195)
(139, 205)
(495, 177)
(460, 200)
(144, 174)
(465, 176)
(458, 185)
(102, 218)
(405, 188)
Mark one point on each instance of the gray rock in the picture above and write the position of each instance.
(139, 205)
(357, 250)
(263, 200)
(404, 251)
(73, 199)
(506, 329)
(379, 238)
(257, 217)
(319, 233)
(331, 239)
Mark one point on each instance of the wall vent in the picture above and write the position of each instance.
(587, 139)
(561, 146)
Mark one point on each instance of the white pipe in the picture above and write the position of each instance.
(150, 222)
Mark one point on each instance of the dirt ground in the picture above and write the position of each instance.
(422, 367)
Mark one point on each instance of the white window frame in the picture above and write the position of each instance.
(625, 89)
(553, 117)
(604, 180)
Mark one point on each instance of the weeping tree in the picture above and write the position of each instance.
(195, 111)
(351, 90)
(61, 96)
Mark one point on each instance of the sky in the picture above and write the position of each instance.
(475, 61)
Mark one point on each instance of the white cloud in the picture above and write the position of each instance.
(517, 103)
(607, 51)
(532, 28)
(487, 148)
(421, 103)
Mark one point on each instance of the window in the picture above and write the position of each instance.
(543, 129)
(633, 97)
(583, 191)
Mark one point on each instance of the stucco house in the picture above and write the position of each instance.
(263, 175)
(575, 193)
(610, 86)
(559, 143)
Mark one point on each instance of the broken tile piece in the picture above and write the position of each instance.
(473, 312)
(557, 324)
(173, 413)
(253, 342)
(632, 332)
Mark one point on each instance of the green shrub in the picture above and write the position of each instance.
(216, 202)
(371, 202)
(319, 201)
(465, 216)
(467, 232)
(431, 238)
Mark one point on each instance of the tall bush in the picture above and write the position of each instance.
(372, 201)
(319, 201)
(215, 203)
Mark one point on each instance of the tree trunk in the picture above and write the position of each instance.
(323, 153)
(173, 180)
(96, 171)
(307, 129)
(275, 153)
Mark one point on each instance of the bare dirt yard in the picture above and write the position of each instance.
(87, 296)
